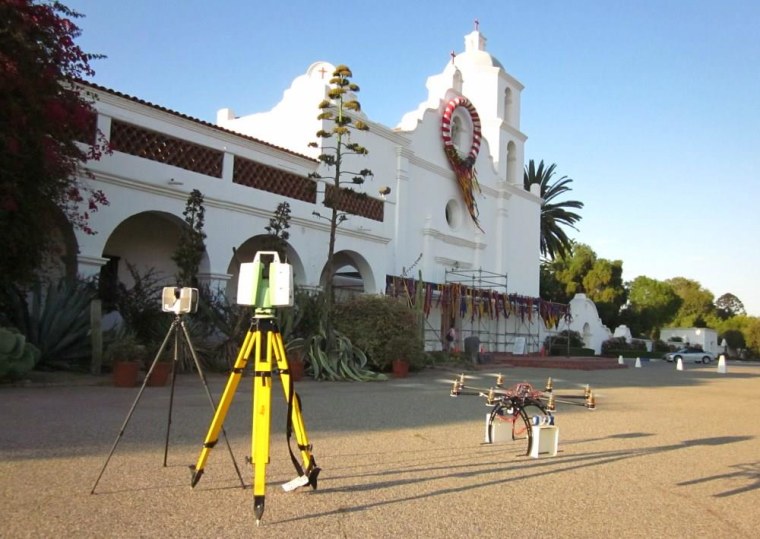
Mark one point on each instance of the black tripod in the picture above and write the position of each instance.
(177, 323)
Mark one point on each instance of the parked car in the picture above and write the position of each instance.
(690, 354)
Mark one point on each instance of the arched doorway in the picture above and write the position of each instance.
(246, 253)
(352, 275)
(142, 245)
(586, 335)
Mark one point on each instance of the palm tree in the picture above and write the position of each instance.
(554, 214)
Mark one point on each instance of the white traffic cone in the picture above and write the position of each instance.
(679, 365)
(722, 364)
(620, 360)
(638, 363)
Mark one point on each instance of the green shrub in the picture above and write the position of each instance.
(614, 344)
(638, 344)
(140, 306)
(618, 346)
(125, 346)
(17, 357)
(560, 340)
(573, 351)
(385, 328)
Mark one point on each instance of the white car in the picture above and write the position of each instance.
(695, 354)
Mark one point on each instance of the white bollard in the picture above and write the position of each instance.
(620, 360)
(638, 363)
(722, 364)
(679, 365)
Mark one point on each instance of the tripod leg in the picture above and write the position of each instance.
(309, 471)
(171, 393)
(210, 398)
(132, 409)
(262, 400)
(224, 404)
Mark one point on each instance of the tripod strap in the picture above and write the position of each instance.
(289, 424)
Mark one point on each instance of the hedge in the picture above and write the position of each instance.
(572, 351)
(632, 354)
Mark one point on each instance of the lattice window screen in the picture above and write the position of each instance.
(273, 180)
(355, 203)
(134, 140)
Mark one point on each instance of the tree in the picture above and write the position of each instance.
(728, 305)
(277, 230)
(550, 288)
(47, 133)
(191, 246)
(651, 304)
(336, 110)
(571, 266)
(696, 308)
(733, 338)
(579, 270)
(752, 334)
(554, 214)
(604, 286)
(740, 331)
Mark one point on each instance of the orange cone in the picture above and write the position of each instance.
(591, 402)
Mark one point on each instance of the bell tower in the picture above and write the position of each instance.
(496, 96)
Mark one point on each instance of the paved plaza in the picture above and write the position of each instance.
(666, 453)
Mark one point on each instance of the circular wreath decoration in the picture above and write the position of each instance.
(448, 145)
(463, 168)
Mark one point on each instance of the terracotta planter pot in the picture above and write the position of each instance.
(160, 375)
(125, 373)
(400, 368)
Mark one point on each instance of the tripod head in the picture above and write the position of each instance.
(265, 283)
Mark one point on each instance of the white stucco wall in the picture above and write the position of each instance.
(705, 337)
(584, 318)
(409, 158)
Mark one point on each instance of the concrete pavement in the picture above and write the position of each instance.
(666, 453)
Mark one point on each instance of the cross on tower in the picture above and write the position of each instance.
(477, 24)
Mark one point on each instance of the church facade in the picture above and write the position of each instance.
(445, 220)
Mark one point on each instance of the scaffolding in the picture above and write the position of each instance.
(494, 333)
(477, 303)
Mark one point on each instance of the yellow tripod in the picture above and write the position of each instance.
(264, 339)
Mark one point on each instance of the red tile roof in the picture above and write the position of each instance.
(190, 118)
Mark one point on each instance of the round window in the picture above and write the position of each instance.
(453, 213)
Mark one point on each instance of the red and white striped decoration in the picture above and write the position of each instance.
(446, 125)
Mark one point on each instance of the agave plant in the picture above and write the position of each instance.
(55, 319)
(347, 363)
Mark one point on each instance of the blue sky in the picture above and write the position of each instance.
(652, 107)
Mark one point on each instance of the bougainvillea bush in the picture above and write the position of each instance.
(47, 132)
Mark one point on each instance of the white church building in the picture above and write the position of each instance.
(477, 250)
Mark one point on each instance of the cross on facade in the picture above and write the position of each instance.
(323, 71)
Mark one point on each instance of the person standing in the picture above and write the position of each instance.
(451, 337)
